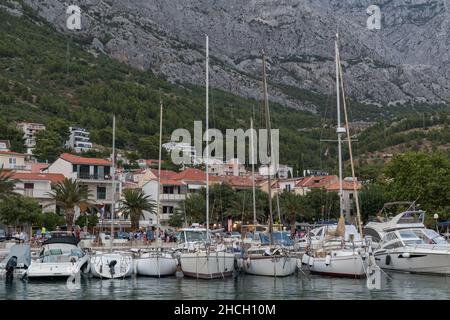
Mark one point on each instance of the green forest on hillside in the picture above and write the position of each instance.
(38, 83)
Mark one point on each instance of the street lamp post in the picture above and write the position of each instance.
(436, 217)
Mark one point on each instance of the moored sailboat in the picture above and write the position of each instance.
(207, 260)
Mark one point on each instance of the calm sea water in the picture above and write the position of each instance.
(396, 286)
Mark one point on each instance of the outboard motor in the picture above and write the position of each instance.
(10, 267)
(111, 266)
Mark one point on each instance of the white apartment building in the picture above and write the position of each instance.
(184, 149)
(232, 167)
(5, 145)
(96, 175)
(37, 186)
(29, 133)
(13, 161)
(79, 139)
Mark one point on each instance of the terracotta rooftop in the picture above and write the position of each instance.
(12, 153)
(238, 181)
(346, 185)
(192, 174)
(83, 160)
(38, 167)
(316, 181)
(165, 174)
(52, 177)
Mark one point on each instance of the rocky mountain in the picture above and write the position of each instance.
(404, 62)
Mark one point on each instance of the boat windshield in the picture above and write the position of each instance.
(193, 236)
(280, 238)
(430, 236)
(410, 238)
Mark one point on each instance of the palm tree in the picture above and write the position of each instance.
(6, 183)
(70, 194)
(134, 204)
(293, 205)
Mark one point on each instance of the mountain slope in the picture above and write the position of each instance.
(403, 63)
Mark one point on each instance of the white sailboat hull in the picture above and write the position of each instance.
(207, 265)
(100, 265)
(156, 264)
(339, 264)
(415, 260)
(271, 266)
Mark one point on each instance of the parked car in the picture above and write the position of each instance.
(2, 235)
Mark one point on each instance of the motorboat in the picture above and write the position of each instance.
(406, 245)
(60, 257)
(201, 258)
(155, 263)
(16, 262)
(112, 265)
(406, 250)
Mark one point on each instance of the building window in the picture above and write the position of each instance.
(350, 196)
(168, 189)
(74, 168)
(167, 209)
(101, 193)
(12, 160)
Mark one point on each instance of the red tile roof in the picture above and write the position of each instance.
(316, 181)
(238, 181)
(346, 185)
(171, 182)
(192, 174)
(12, 153)
(83, 160)
(52, 177)
(38, 167)
(165, 174)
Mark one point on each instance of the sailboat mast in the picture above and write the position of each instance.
(253, 171)
(159, 167)
(207, 136)
(113, 176)
(339, 129)
(269, 146)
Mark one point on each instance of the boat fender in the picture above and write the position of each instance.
(388, 259)
(86, 268)
(311, 261)
(179, 273)
(406, 255)
(305, 258)
(247, 263)
(328, 260)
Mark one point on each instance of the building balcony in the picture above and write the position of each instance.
(19, 167)
(94, 177)
(173, 196)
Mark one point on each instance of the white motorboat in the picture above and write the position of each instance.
(60, 257)
(114, 265)
(202, 259)
(269, 261)
(404, 250)
(16, 262)
(155, 263)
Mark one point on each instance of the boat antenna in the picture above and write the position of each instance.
(339, 129)
(269, 145)
(207, 137)
(158, 204)
(347, 127)
(253, 170)
(113, 176)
